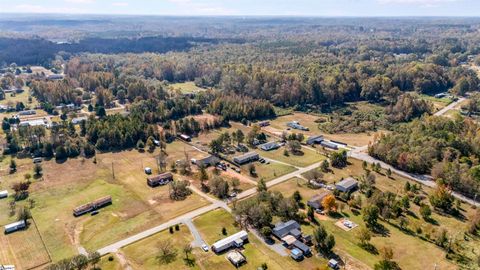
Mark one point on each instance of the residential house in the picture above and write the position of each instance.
(264, 124)
(296, 125)
(27, 112)
(347, 185)
(235, 240)
(91, 206)
(78, 120)
(316, 201)
(206, 162)
(185, 137)
(314, 139)
(245, 158)
(160, 180)
(269, 146)
(16, 226)
(290, 227)
(329, 145)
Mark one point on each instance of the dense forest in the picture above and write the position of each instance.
(448, 149)
(41, 52)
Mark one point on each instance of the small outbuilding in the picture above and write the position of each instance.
(3, 194)
(347, 185)
(16, 226)
(332, 263)
(296, 254)
(236, 258)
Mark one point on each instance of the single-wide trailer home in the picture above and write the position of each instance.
(160, 180)
(91, 206)
(235, 240)
(13, 227)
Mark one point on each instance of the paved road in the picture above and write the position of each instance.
(360, 153)
(449, 107)
(198, 241)
(134, 238)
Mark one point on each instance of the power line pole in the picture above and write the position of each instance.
(113, 171)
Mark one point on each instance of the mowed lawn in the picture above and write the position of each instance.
(24, 249)
(406, 247)
(267, 171)
(143, 254)
(279, 125)
(135, 206)
(308, 157)
(210, 226)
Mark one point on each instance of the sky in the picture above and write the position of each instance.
(360, 8)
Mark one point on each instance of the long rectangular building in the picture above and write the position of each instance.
(13, 227)
(160, 180)
(245, 158)
(234, 240)
(91, 206)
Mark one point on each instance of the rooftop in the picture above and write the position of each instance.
(347, 183)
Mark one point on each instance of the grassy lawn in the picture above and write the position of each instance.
(210, 227)
(405, 246)
(186, 87)
(24, 249)
(142, 254)
(309, 157)
(279, 125)
(268, 171)
(11, 99)
(135, 207)
(106, 264)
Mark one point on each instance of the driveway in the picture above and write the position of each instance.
(198, 241)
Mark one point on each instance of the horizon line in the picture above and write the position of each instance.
(239, 15)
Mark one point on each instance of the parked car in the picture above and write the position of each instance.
(205, 247)
(37, 160)
(94, 213)
(148, 170)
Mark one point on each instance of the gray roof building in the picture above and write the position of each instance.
(346, 185)
(269, 146)
(245, 158)
(286, 228)
(314, 139)
(316, 201)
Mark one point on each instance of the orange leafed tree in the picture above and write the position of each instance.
(329, 204)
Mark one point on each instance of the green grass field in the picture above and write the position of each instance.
(268, 171)
(210, 226)
(307, 158)
(405, 246)
(143, 254)
(186, 87)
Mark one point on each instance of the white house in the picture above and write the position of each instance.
(234, 240)
(13, 227)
